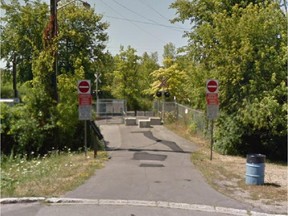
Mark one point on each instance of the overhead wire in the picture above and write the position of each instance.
(148, 23)
(134, 12)
(157, 12)
(148, 33)
(143, 17)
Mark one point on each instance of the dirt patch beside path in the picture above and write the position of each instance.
(227, 175)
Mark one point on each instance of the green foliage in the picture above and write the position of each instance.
(170, 117)
(192, 128)
(228, 135)
(242, 44)
(52, 174)
(82, 35)
(40, 124)
(126, 77)
(6, 90)
(70, 129)
(176, 81)
(21, 33)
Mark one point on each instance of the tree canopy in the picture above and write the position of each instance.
(39, 124)
(242, 44)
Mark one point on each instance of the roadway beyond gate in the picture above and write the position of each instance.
(150, 173)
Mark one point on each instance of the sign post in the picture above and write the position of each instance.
(97, 80)
(212, 89)
(85, 105)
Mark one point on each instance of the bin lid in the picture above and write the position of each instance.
(256, 158)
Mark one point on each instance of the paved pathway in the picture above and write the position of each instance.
(150, 173)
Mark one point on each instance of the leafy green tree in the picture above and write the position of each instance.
(33, 124)
(21, 34)
(81, 36)
(242, 44)
(169, 51)
(39, 124)
(171, 79)
(148, 64)
(126, 77)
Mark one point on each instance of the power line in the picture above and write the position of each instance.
(156, 11)
(121, 5)
(140, 15)
(147, 23)
(148, 33)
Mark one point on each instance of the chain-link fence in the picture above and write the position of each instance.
(110, 107)
(195, 120)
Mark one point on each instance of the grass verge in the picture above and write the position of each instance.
(226, 174)
(49, 176)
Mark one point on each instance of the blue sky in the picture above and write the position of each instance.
(142, 24)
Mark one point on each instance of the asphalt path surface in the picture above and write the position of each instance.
(150, 173)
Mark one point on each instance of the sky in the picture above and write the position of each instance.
(142, 24)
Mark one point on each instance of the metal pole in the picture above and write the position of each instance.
(211, 145)
(85, 137)
(97, 97)
(163, 105)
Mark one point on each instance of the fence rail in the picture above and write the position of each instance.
(194, 119)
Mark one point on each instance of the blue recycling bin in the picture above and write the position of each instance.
(255, 169)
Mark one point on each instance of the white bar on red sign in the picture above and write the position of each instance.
(84, 87)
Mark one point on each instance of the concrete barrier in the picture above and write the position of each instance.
(155, 121)
(144, 123)
(130, 121)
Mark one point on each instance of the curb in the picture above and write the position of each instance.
(157, 204)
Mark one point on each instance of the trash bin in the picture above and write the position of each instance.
(255, 169)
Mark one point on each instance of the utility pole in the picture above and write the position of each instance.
(14, 64)
(54, 31)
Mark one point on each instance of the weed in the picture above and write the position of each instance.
(50, 175)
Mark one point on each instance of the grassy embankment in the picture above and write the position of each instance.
(48, 176)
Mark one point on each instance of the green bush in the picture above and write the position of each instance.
(234, 137)
(228, 134)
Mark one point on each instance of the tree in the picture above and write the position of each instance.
(242, 44)
(148, 64)
(39, 124)
(171, 79)
(126, 77)
(81, 36)
(21, 34)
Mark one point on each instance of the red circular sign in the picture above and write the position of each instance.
(84, 86)
(212, 86)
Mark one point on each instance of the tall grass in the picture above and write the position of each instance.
(50, 175)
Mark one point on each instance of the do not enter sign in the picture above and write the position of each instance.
(84, 87)
(212, 86)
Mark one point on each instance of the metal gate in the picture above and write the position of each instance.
(111, 110)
